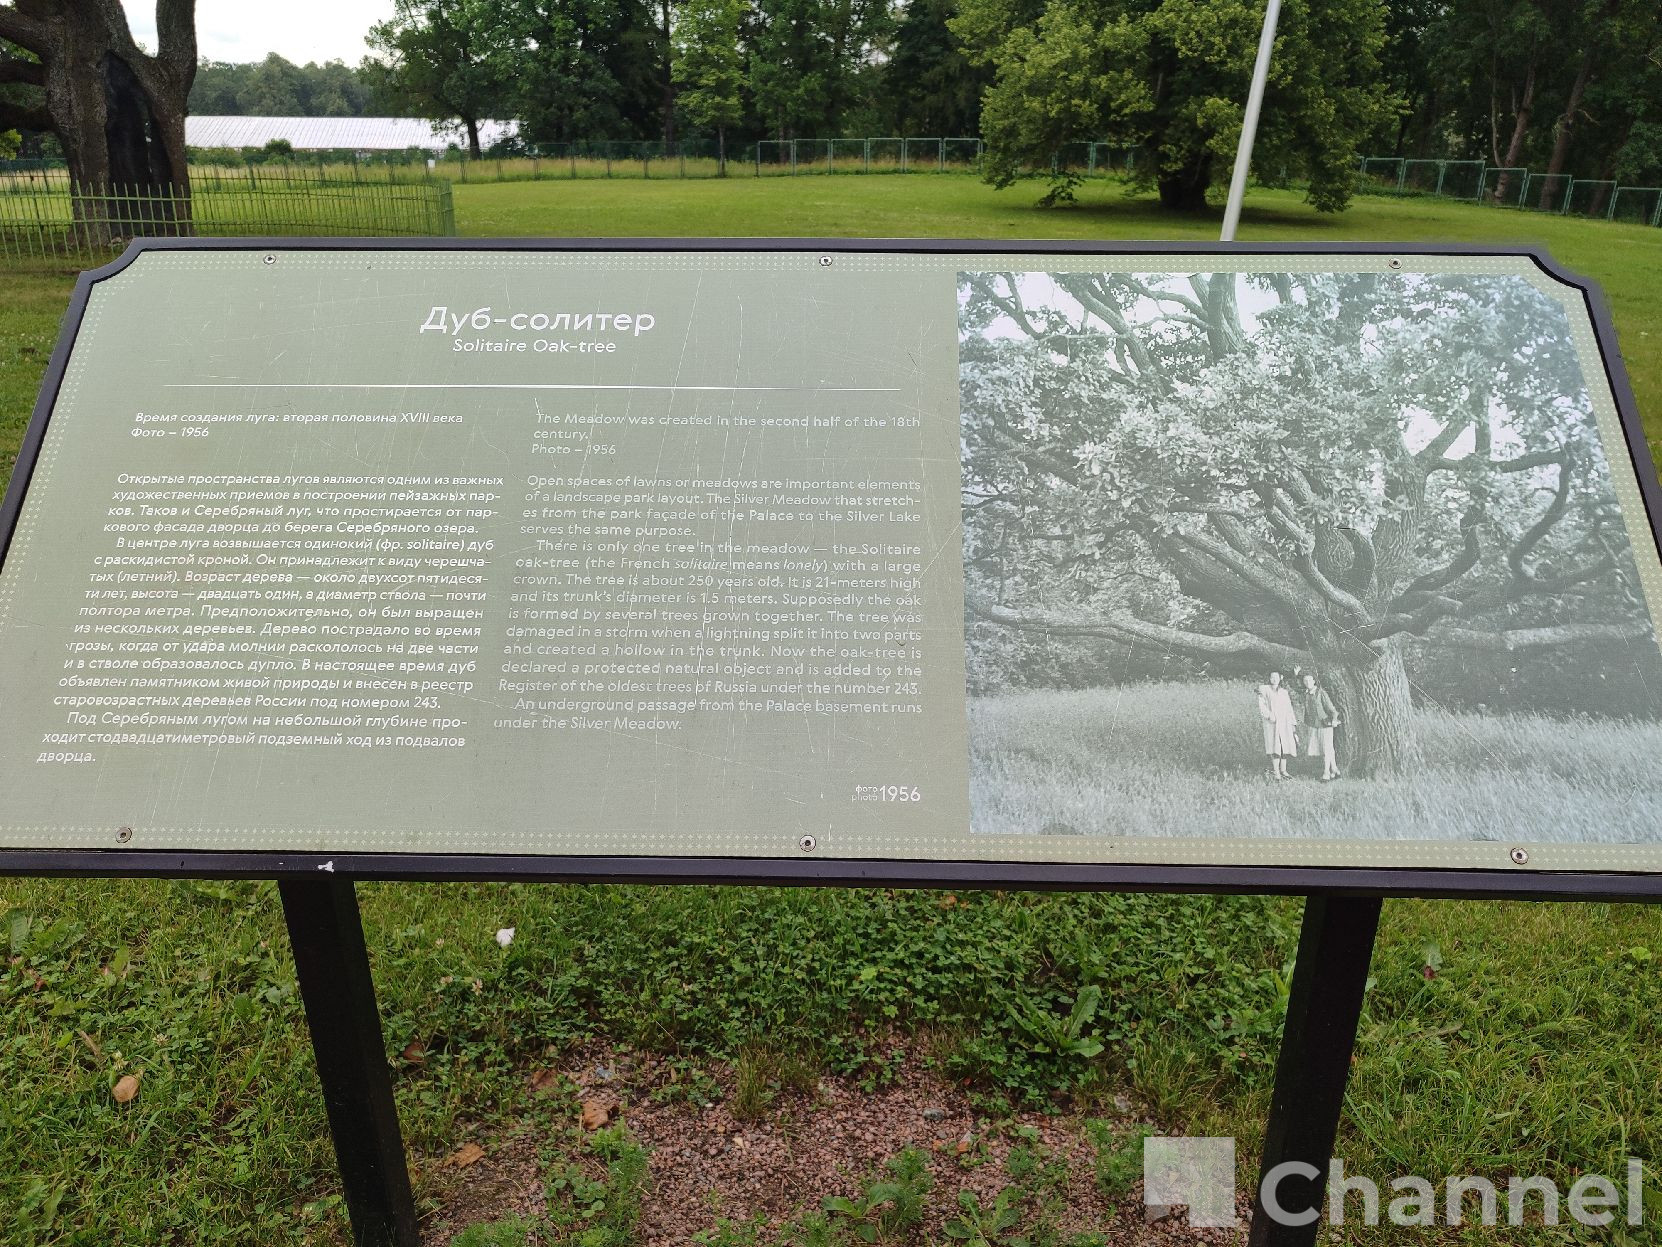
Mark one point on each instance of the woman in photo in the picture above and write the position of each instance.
(1275, 709)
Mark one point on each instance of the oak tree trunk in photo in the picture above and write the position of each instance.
(118, 111)
(1376, 711)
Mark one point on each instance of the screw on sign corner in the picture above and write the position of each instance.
(1520, 857)
(123, 835)
(824, 262)
(807, 844)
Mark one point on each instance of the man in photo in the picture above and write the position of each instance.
(1318, 716)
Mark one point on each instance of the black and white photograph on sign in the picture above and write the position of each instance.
(1325, 556)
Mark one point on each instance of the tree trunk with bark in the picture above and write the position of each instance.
(1520, 129)
(1566, 126)
(667, 95)
(1376, 708)
(1184, 190)
(474, 151)
(118, 112)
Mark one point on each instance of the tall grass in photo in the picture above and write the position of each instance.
(1185, 760)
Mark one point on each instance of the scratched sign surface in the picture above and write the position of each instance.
(1248, 559)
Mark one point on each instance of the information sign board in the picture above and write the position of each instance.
(1230, 567)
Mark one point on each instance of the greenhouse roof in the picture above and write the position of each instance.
(354, 133)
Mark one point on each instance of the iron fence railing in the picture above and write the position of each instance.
(43, 214)
(1474, 181)
(404, 193)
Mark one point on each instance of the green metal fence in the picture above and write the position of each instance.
(48, 216)
(1638, 205)
(1475, 181)
(879, 154)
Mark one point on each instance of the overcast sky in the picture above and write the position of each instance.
(299, 30)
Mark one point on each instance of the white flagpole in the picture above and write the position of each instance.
(1249, 121)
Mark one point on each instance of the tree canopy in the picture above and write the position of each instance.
(1566, 86)
(448, 60)
(276, 87)
(1555, 85)
(709, 66)
(1169, 78)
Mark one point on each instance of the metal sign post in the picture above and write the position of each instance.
(1334, 948)
(339, 995)
(1249, 121)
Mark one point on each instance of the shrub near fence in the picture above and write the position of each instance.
(40, 219)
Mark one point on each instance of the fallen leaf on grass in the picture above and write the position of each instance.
(544, 1080)
(467, 1154)
(125, 1088)
(596, 1113)
(415, 1052)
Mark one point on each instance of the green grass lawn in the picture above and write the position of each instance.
(1626, 260)
(1497, 1038)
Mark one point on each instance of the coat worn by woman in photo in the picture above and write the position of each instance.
(1275, 710)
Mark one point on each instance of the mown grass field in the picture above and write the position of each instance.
(1497, 1038)
(1182, 760)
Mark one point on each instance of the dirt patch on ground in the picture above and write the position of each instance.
(725, 1145)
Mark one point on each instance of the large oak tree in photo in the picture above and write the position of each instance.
(117, 110)
(1311, 470)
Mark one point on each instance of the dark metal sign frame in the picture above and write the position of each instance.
(1341, 913)
(1522, 883)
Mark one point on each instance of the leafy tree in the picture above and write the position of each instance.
(214, 93)
(709, 66)
(277, 87)
(929, 85)
(1487, 63)
(585, 68)
(807, 61)
(1292, 470)
(1170, 78)
(447, 60)
(117, 111)
(1406, 64)
(1639, 159)
(1619, 41)
(1554, 85)
(333, 89)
